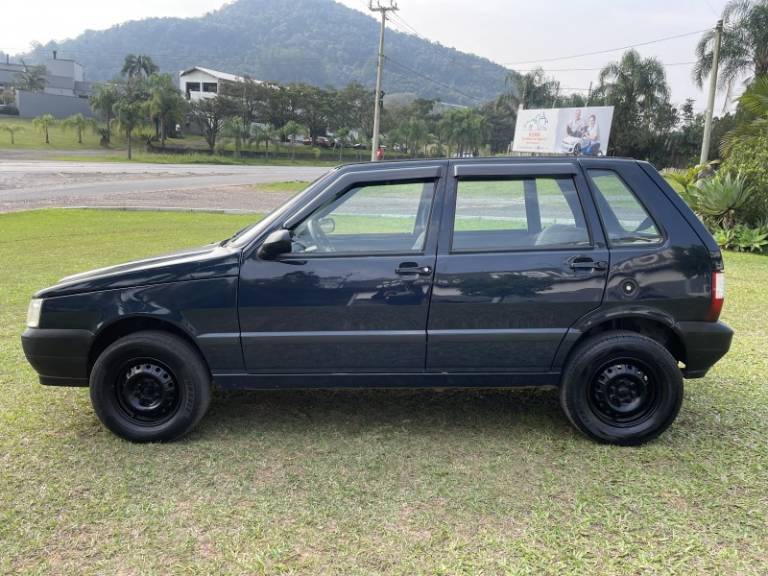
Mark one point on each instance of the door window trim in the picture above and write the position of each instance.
(595, 191)
(359, 184)
(524, 173)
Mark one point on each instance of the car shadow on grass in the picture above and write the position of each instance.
(415, 411)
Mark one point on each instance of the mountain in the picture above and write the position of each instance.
(319, 42)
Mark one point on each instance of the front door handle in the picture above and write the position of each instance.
(588, 264)
(409, 269)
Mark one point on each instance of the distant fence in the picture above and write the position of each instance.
(32, 104)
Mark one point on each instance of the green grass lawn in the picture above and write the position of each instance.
(60, 138)
(376, 482)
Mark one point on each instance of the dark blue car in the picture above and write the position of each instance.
(590, 275)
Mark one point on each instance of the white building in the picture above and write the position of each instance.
(198, 82)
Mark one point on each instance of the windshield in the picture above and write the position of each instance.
(244, 236)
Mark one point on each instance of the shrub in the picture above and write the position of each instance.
(749, 157)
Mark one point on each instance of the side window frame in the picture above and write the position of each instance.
(597, 194)
(292, 222)
(528, 177)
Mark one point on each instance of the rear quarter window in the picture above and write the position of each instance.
(626, 221)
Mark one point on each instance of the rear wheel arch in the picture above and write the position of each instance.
(655, 329)
(130, 325)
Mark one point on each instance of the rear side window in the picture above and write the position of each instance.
(518, 214)
(626, 220)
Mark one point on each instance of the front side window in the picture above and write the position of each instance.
(369, 219)
(625, 219)
(518, 214)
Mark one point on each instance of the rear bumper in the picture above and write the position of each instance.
(60, 357)
(705, 343)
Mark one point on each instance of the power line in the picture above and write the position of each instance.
(437, 82)
(591, 69)
(637, 44)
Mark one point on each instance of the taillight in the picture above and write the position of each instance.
(718, 296)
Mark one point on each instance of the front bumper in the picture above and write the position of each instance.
(705, 343)
(60, 357)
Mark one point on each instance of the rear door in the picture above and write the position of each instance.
(521, 257)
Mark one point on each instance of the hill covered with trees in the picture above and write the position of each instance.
(318, 42)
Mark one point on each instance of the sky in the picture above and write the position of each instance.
(518, 33)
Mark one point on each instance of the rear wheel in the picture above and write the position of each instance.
(622, 388)
(150, 387)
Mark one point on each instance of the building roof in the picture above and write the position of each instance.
(215, 73)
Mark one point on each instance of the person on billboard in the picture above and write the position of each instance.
(576, 126)
(591, 140)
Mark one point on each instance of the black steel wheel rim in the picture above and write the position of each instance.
(147, 392)
(624, 392)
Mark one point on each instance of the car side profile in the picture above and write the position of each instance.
(586, 274)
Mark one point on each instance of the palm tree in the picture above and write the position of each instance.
(43, 123)
(236, 129)
(531, 90)
(754, 109)
(292, 128)
(103, 101)
(744, 48)
(136, 65)
(637, 89)
(130, 114)
(165, 104)
(12, 129)
(79, 123)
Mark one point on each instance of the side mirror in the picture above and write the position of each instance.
(327, 225)
(278, 242)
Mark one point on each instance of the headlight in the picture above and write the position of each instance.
(33, 312)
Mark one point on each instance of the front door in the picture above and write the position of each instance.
(521, 258)
(353, 294)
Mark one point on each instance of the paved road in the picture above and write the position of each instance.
(31, 184)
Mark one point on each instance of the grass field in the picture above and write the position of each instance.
(367, 482)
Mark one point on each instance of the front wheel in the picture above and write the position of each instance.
(621, 388)
(150, 387)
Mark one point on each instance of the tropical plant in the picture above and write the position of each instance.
(750, 239)
(236, 130)
(32, 78)
(716, 199)
(130, 115)
(103, 102)
(291, 129)
(12, 129)
(725, 237)
(78, 123)
(744, 47)
(637, 89)
(753, 115)
(166, 105)
(43, 124)
(464, 129)
(136, 65)
(531, 90)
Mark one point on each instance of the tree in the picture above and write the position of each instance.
(136, 65)
(130, 114)
(236, 129)
(744, 48)
(210, 114)
(31, 79)
(463, 128)
(166, 105)
(42, 124)
(78, 123)
(103, 102)
(12, 129)
(637, 88)
(289, 132)
(752, 116)
(533, 89)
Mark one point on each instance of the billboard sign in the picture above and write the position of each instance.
(564, 130)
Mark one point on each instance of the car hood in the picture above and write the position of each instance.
(212, 261)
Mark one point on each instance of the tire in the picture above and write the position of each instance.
(150, 387)
(621, 388)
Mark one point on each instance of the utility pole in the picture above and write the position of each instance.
(379, 6)
(712, 90)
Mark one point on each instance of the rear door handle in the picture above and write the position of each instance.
(588, 264)
(407, 269)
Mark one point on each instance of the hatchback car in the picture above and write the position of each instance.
(586, 274)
